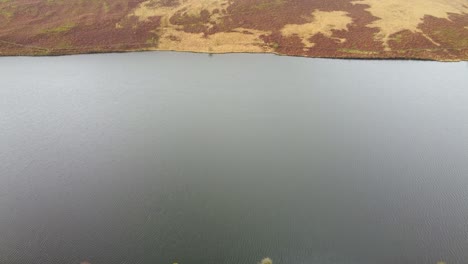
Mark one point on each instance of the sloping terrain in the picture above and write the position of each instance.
(417, 29)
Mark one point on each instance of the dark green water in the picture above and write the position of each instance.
(157, 158)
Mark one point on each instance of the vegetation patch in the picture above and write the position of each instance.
(398, 15)
(321, 22)
(268, 4)
(423, 29)
(359, 52)
(60, 29)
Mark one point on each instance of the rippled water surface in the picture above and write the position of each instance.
(157, 158)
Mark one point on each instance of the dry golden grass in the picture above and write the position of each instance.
(236, 41)
(190, 7)
(314, 28)
(321, 22)
(172, 37)
(397, 15)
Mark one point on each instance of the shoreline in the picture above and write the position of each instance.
(383, 57)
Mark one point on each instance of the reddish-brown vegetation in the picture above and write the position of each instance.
(46, 27)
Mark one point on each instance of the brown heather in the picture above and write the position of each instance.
(420, 29)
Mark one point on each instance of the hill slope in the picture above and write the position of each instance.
(418, 29)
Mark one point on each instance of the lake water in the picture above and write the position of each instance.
(156, 158)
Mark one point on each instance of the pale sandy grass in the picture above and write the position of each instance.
(235, 41)
(172, 37)
(397, 15)
(190, 7)
(321, 22)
